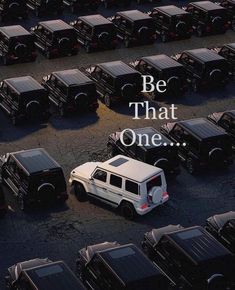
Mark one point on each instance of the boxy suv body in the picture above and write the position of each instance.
(222, 227)
(13, 9)
(116, 82)
(33, 176)
(45, 7)
(225, 120)
(208, 18)
(113, 266)
(205, 143)
(122, 182)
(70, 91)
(163, 155)
(55, 38)
(205, 68)
(190, 257)
(16, 45)
(163, 68)
(24, 98)
(229, 5)
(172, 22)
(228, 52)
(41, 274)
(80, 5)
(135, 27)
(95, 32)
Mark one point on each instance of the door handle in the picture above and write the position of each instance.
(104, 188)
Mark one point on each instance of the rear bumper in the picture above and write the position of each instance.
(150, 207)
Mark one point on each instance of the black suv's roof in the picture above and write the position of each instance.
(202, 128)
(134, 15)
(94, 20)
(150, 131)
(198, 245)
(171, 10)
(117, 68)
(13, 31)
(231, 45)
(204, 54)
(129, 263)
(24, 84)
(207, 5)
(55, 25)
(35, 160)
(53, 276)
(162, 61)
(72, 77)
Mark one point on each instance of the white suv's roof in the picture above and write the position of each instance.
(130, 168)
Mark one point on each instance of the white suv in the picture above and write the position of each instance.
(134, 186)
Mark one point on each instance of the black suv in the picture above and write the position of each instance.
(95, 32)
(39, 273)
(80, 5)
(24, 98)
(190, 257)
(116, 81)
(226, 120)
(208, 18)
(162, 155)
(113, 266)
(135, 27)
(12, 9)
(71, 90)
(34, 176)
(16, 45)
(42, 7)
(172, 22)
(109, 3)
(3, 205)
(230, 7)
(163, 68)
(55, 38)
(222, 227)
(205, 68)
(228, 52)
(205, 143)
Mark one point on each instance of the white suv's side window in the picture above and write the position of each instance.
(116, 181)
(132, 187)
(100, 175)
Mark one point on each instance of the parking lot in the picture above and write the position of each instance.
(58, 233)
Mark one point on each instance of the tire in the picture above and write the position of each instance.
(80, 191)
(128, 210)
(107, 101)
(190, 165)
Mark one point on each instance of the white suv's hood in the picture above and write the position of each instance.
(85, 170)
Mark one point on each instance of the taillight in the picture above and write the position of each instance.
(165, 194)
(143, 206)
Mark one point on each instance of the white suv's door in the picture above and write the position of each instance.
(115, 188)
(98, 186)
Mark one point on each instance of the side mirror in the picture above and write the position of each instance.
(91, 178)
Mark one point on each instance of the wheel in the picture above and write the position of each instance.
(190, 164)
(111, 151)
(128, 210)
(108, 101)
(80, 191)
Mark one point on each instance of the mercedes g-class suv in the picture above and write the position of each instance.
(163, 68)
(208, 18)
(110, 265)
(13, 9)
(77, 6)
(71, 91)
(34, 177)
(55, 38)
(228, 52)
(172, 22)
(158, 152)
(45, 7)
(95, 32)
(116, 82)
(24, 98)
(190, 257)
(205, 144)
(16, 45)
(132, 186)
(222, 227)
(135, 27)
(229, 5)
(3, 204)
(205, 68)
(39, 274)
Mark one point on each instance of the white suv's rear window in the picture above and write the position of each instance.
(156, 181)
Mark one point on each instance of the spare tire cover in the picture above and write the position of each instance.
(104, 38)
(144, 33)
(216, 282)
(162, 163)
(216, 75)
(81, 100)
(181, 28)
(217, 23)
(33, 109)
(128, 91)
(156, 193)
(173, 83)
(21, 49)
(65, 44)
(46, 192)
(216, 156)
